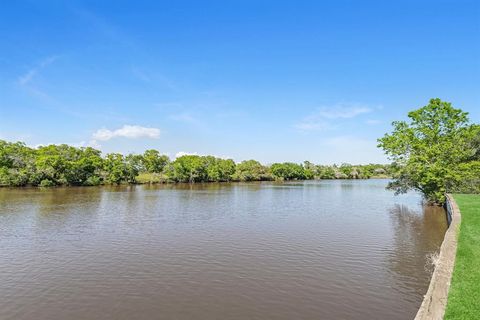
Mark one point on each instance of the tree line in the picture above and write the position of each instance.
(65, 165)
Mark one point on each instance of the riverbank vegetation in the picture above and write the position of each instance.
(56, 165)
(438, 151)
(464, 292)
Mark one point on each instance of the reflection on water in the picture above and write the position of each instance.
(300, 250)
(416, 231)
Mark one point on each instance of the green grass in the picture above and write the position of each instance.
(464, 293)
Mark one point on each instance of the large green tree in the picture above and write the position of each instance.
(430, 152)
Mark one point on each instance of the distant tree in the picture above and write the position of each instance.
(66, 165)
(190, 168)
(154, 162)
(115, 168)
(428, 151)
(288, 171)
(325, 172)
(221, 170)
(52, 164)
(17, 163)
(62, 164)
(84, 168)
(251, 170)
(309, 170)
(346, 170)
(134, 164)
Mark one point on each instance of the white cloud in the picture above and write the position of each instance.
(183, 153)
(91, 143)
(127, 131)
(321, 119)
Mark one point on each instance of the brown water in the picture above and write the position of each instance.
(304, 250)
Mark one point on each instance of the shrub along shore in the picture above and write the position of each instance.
(64, 165)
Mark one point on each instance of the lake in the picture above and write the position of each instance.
(298, 250)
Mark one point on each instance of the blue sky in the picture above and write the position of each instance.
(269, 80)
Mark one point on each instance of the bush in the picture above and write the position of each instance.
(146, 177)
(288, 171)
(45, 183)
(93, 181)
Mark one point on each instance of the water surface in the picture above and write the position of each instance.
(300, 250)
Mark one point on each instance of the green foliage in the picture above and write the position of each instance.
(133, 166)
(470, 182)
(325, 172)
(115, 168)
(288, 171)
(45, 183)
(151, 178)
(16, 163)
(251, 170)
(154, 162)
(309, 170)
(93, 181)
(429, 151)
(221, 170)
(67, 165)
(189, 168)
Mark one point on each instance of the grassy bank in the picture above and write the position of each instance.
(464, 293)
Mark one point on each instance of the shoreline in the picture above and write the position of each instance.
(180, 183)
(435, 300)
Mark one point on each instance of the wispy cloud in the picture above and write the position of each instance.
(153, 78)
(322, 118)
(342, 112)
(27, 80)
(127, 131)
(28, 77)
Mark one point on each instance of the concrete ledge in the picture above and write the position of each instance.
(435, 301)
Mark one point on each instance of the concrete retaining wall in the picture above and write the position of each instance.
(435, 301)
